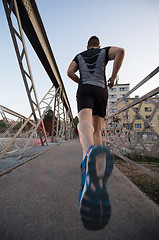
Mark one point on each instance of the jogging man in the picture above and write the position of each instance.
(92, 96)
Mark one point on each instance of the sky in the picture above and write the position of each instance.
(132, 25)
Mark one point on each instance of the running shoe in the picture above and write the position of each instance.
(94, 204)
(83, 171)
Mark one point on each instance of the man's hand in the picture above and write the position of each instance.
(111, 82)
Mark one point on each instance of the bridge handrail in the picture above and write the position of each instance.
(147, 78)
(119, 130)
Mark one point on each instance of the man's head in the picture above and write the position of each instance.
(93, 42)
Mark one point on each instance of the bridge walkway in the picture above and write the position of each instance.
(39, 201)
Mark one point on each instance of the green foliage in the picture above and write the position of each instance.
(76, 121)
(137, 157)
(49, 114)
(48, 121)
(145, 183)
(149, 186)
(18, 125)
(2, 124)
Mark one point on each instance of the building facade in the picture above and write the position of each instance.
(137, 116)
(118, 91)
(143, 118)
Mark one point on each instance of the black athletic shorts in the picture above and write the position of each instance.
(94, 97)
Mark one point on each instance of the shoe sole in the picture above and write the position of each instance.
(95, 208)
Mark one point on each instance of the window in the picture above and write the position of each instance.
(111, 103)
(125, 102)
(112, 96)
(112, 89)
(123, 89)
(113, 110)
(147, 116)
(137, 125)
(122, 95)
(146, 101)
(137, 117)
(149, 134)
(147, 109)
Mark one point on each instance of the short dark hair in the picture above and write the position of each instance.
(93, 42)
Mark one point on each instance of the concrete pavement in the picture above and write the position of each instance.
(39, 201)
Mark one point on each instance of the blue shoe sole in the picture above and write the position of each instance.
(95, 208)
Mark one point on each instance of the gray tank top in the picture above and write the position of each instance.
(92, 65)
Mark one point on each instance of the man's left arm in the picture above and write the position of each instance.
(72, 70)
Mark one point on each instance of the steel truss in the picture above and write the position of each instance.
(23, 60)
(62, 123)
(60, 129)
(130, 141)
(9, 131)
(35, 126)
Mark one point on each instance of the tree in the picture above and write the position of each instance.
(2, 124)
(76, 121)
(48, 121)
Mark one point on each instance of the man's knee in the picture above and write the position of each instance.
(85, 115)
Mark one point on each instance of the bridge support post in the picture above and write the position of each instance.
(59, 121)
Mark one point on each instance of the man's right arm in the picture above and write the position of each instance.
(116, 54)
(71, 72)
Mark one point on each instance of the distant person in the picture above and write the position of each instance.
(92, 96)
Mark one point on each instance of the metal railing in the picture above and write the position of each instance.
(62, 129)
(129, 130)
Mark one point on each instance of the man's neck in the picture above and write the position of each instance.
(88, 48)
